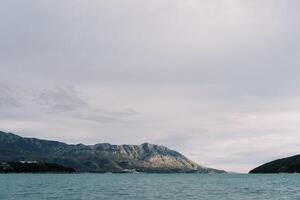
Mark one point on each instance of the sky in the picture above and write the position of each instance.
(218, 81)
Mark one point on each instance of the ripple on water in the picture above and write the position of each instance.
(148, 186)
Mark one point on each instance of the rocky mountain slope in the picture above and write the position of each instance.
(101, 157)
(284, 165)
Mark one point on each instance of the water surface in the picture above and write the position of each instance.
(148, 186)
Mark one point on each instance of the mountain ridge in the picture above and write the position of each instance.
(284, 165)
(100, 157)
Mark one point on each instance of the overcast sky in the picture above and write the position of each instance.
(218, 81)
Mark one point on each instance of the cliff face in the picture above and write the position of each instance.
(102, 157)
(285, 165)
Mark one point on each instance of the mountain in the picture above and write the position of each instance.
(101, 157)
(284, 165)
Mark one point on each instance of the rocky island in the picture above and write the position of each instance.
(98, 158)
(284, 165)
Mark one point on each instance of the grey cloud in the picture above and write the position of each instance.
(68, 102)
(106, 116)
(126, 111)
(63, 102)
(99, 118)
(60, 100)
(7, 97)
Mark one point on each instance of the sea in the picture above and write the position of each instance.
(149, 186)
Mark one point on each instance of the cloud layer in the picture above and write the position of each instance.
(218, 81)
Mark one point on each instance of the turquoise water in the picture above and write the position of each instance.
(148, 186)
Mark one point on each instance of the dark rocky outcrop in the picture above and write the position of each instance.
(284, 165)
(102, 157)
